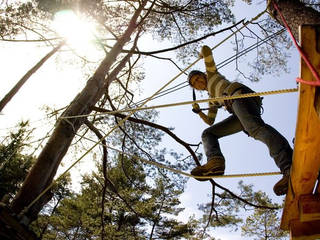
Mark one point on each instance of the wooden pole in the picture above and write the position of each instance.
(301, 214)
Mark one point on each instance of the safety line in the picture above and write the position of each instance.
(221, 64)
(224, 40)
(216, 99)
(160, 165)
(238, 30)
(302, 54)
(121, 122)
(156, 164)
(248, 49)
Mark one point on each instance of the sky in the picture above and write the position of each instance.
(243, 154)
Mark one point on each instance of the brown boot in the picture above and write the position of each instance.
(281, 187)
(215, 166)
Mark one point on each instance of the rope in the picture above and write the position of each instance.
(220, 65)
(130, 114)
(184, 173)
(302, 54)
(156, 164)
(247, 95)
(238, 30)
(217, 45)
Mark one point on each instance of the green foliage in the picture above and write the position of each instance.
(262, 223)
(14, 165)
(183, 21)
(135, 207)
(134, 201)
(13, 18)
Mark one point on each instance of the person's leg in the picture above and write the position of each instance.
(215, 161)
(211, 135)
(248, 113)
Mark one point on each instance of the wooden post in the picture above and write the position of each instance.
(301, 214)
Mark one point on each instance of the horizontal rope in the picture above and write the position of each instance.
(181, 172)
(246, 95)
(219, 65)
(130, 114)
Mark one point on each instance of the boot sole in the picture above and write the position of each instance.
(281, 187)
(216, 172)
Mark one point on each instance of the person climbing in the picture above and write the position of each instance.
(245, 116)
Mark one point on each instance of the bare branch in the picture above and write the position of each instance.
(104, 171)
(186, 43)
(154, 125)
(211, 210)
(244, 200)
(22, 81)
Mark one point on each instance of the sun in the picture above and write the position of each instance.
(78, 32)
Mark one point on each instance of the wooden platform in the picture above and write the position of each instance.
(301, 214)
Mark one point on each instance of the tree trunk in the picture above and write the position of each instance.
(23, 80)
(44, 170)
(296, 13)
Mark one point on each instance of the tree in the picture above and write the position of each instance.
(61, 190)
(296, 13)
(130, 21)
(14, 165)
(262, 223)
(15, 162)
(124, 22)
(135, 208)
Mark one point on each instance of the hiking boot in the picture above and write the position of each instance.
(281, 187)
(215, 166)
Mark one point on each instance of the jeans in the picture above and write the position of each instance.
(247, 117)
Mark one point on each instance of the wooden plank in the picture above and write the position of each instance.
(306, 156)
(304, 231)
(309, 208)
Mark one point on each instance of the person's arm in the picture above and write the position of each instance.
(212, 113)
(216, 82)
(206, 54)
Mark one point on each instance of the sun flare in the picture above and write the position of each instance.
(78, 32)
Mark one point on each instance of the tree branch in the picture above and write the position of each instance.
(23, 80)
(104, 171)
(58, 144)
(186, 43)
(211, 210)
(154, 125)
(243, 200)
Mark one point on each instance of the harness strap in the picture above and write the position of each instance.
(232, 88)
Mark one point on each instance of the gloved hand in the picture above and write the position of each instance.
(196, 108)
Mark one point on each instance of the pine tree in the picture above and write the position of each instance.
(262, 214)
(264, 223)
(121, 24)
(135, 207)
(14, 164)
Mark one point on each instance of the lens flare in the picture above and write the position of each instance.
(78, 32)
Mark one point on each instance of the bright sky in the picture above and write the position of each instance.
(244, 155)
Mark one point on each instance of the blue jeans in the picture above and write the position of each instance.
(247, 117)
